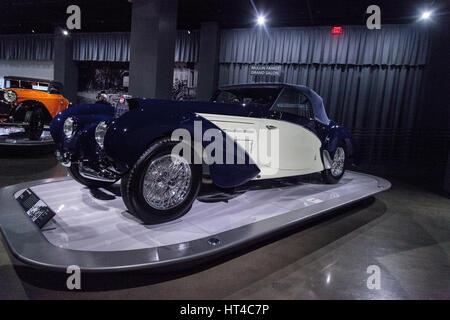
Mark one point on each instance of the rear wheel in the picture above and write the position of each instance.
(161, 186)
(35, 120)
(337, 170)
(74, 171)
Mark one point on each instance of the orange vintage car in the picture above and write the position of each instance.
(30, 103)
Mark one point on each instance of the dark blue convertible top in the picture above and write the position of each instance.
(316, 101)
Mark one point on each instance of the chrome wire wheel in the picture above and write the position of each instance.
(167, 182)
(337, 166)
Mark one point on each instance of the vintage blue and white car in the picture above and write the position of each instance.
(246, 133)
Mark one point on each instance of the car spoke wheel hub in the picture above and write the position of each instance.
(167, 182)
(337, 166)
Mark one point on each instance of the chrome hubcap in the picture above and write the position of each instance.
(167, 182)
(337, 166)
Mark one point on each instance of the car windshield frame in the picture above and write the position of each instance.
(299, 92)
(33, 83)
(248, 97)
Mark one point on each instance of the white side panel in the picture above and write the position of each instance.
(291, 149)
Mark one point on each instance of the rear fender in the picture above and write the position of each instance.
(336, 136)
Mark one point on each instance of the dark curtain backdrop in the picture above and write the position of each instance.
(26, 47)
(392, 45)
(371, 81)
(112, 47)
(101, 47)
(116, 46)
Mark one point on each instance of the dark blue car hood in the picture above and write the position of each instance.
(231, 109)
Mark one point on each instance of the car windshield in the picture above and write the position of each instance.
(261, 95)
(23, 84)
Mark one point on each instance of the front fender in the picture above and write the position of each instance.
(83, 145)
(129, 136)
(18, 112)
(85, 115)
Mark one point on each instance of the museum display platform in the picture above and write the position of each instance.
(93, 230)
(14, 139)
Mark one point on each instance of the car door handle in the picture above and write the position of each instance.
(270, 127)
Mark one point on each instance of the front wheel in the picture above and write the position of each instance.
(35, 120)
(74, 171)
(161, 186)
(337, 170)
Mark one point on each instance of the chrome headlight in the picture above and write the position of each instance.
(100, 133)
(69, 127)
(10, 96)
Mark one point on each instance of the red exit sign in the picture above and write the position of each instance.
(337, 30)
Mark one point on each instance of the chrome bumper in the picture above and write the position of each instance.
(102, 174)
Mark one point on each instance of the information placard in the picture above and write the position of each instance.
(38, 211)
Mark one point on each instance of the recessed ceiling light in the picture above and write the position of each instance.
(261, 20)
(425, 15)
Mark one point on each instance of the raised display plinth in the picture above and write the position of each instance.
(91, 228)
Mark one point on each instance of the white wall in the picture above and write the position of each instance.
(25, 68)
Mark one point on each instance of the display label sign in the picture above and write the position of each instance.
(38, 211)
(265, 70)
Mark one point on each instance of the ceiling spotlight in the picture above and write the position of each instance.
(65, 32)
(261, 20)
(425, 15)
